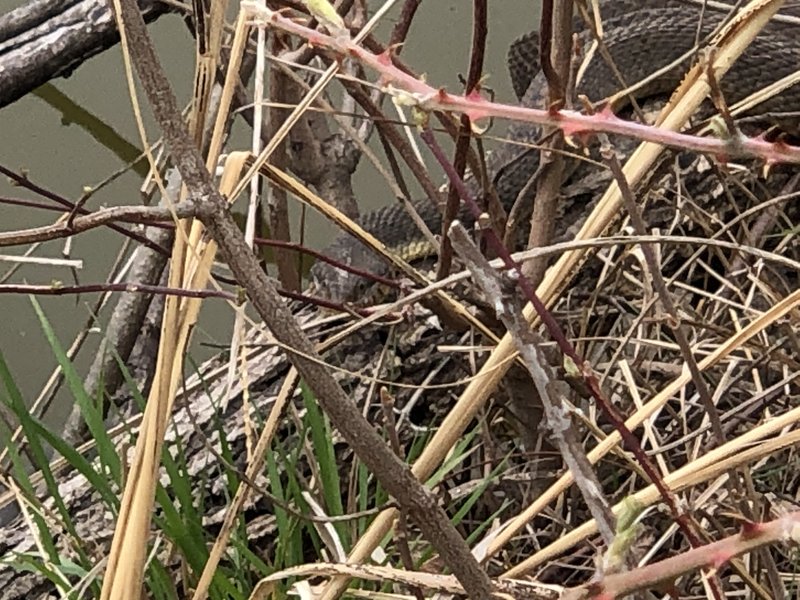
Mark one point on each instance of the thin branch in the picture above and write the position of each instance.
(411, 90)
(551, 390)
(395, 475)
(23, 182)
(57, 289)
(96, 219)
(480, 28)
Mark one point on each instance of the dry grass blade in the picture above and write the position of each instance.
(190, 268)
(730, 43)
(306, 195)
(430, 582)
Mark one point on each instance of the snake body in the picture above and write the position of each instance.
(642, 37)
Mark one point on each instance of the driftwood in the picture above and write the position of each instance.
(45, 39)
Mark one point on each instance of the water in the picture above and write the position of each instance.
(64, 157)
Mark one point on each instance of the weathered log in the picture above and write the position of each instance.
(45, 39)
(199, 420)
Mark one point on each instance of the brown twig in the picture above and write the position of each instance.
(24, 182)
(58, 289)
(401, 530)
(674, 321)
(98, 218)
(276, 207)
(393, 474)
(554, 39)
(403, 24)
(155, 217)
(479, 31)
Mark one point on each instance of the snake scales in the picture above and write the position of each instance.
(642, 36)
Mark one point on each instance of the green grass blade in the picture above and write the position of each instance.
(90, 412)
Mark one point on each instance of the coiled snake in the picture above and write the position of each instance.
(642, 37)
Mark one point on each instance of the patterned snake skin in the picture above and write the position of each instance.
(642, 36)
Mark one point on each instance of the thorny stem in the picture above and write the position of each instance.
(411, 90)
(711, 556)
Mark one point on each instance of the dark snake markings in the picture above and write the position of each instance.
(642, 36)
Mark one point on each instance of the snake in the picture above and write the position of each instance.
(641, 36)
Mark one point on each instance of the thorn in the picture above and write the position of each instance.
(750, 529)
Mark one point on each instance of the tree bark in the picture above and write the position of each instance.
(45, 39)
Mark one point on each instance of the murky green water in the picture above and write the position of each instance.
(65, 157)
